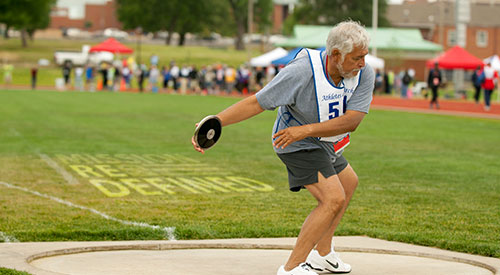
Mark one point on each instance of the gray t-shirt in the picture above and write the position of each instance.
(292, 90)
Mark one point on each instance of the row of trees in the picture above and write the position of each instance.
(227, 17)
(26, 16)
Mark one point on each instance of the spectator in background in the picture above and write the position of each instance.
(230, 77)
(34, 72)
(194, 84)
(270, 73)
(490, 79)
(154, 60)
(116, 78)
(79, 78)
(388, 81)
(141, 75)
(154, 74)
(434, 80)
(126, 74)
(209, 79)
(174, 74)
(104, 73)
(259, 77)
(219, 79)
(379, 81)
(184, 78)
(89, 74)
(7, 73)
(111, 78)
(166, 77)
(477, 82)
(66, 71)
(405, 82)
(243, 79)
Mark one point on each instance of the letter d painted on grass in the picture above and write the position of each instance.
(117, 190)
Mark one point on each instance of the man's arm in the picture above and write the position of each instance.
(240, 111)
(343, 124)
(237, 112)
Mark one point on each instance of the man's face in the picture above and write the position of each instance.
(353, 62)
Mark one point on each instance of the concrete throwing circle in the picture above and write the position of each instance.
(238, 262)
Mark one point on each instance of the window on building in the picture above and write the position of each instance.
(452, 38)
(482, 39)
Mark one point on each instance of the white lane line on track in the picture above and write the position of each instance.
(169, 231)
(8, 239)
(65, 174)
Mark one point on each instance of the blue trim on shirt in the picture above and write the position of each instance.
(286, 121)
(314, 78)
(326, 76)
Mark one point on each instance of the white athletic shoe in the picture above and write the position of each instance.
(329, 264)
(302, 269)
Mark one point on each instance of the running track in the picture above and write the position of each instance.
(448, 107)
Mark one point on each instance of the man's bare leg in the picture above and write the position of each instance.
(349, 181)
(331, 200)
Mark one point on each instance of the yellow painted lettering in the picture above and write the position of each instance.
(85, 171)
(158, 183)
(228, 184)
(73, 158)
(182, 185)
(139, 186)
(203, 184)
(110, 171)
(110, 188)
(254, 184)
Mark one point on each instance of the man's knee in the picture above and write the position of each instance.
(333, 202)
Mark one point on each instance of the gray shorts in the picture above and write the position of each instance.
(303, 167)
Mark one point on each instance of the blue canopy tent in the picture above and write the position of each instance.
(287, 58)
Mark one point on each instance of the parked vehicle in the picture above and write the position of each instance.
(81, 58)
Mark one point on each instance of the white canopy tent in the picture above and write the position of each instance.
(266, 59)
(494, 61)
(374, 62)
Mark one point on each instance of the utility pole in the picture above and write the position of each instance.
(374, 25)
(250, 27)
(462, 17)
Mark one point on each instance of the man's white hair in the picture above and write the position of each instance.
(345, 35)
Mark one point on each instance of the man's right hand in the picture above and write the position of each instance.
(196, 147)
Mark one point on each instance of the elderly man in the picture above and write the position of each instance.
(322, 96)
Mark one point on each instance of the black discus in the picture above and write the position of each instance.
(208, 132)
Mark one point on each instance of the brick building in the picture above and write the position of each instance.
(436, 21)
(96, 17)
(281, 10)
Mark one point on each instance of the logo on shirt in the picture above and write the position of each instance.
(332, 96)
(348, 91)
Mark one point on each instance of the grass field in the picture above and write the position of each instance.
(86, 166)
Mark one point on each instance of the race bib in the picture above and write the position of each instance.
(331, 100)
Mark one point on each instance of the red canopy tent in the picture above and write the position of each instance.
(456, 58)
(111, 45)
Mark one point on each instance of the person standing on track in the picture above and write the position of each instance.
(434, 80)
(489, 82)
(322, 96)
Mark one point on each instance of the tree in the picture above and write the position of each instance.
(26, 16)
(331, 12)
(239, 11)
(180, 16)
(228, 17)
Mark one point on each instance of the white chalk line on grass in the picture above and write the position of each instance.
(65, 174)
(169, 231)
(8, 239)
